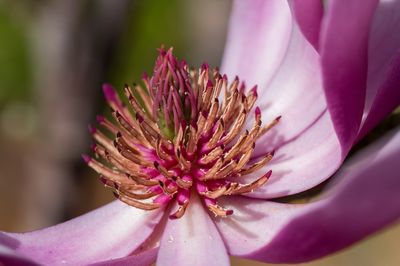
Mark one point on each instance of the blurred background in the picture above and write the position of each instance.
(54, 56)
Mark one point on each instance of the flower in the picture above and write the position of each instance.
(332, 75)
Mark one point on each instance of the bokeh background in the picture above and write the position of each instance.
(54, 56)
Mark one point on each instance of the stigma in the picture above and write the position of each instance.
(182, 132)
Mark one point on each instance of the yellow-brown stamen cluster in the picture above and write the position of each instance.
(177, 136)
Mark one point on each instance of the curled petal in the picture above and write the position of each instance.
(363, 200)
(344, 57)
(281, 61)
(293, 90)
(386, 99)
(118, 227)
(308, 15)
(383, 80)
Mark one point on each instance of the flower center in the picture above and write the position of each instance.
(181, 138)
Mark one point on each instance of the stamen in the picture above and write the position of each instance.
(137, 196)
(143, 181)
(216, 135)
(270, 126)
(180, 212)
(167, 189)
(251, 98)
(185, 184)
(240, 189)
(216, 209)
(136, 203)
(181, 138)
(267, 158)
(216, 193)
(213, 155)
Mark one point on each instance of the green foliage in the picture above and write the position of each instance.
(15, 73)
(151, 24)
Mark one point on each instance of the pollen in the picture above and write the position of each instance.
(182, 132)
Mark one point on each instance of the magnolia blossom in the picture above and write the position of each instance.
(195, 187)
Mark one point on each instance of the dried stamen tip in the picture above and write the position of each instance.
(204, 66)
(93, 147)
(92, 129)
(182, 132)
(109, 92)
(219, 211)
(257, 111)
(103, 180)
(139, 118)
(254, 90)
(86, 158)
(100, 119)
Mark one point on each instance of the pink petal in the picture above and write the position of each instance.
(257, 30)
(192, 240)
(302, 163)
(110, 232)
(266, 47)
(147, 257)
(308, 15)
(295, 93)
(254, 224)
(364, 198)
(293, 90)
(344, 52)
(383, 94)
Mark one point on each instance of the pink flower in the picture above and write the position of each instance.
(332, 75)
